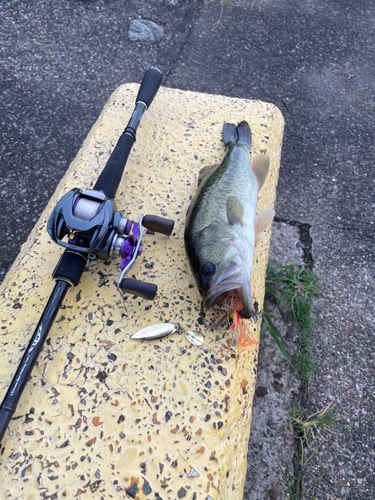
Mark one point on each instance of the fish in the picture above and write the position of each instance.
(221, 227)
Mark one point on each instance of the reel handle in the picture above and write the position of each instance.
(141, 289)
(150, 85)
(158, 224)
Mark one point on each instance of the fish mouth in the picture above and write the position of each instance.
(231, 278)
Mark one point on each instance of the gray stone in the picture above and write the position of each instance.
(145, 31)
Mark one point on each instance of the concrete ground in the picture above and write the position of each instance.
(60, 61)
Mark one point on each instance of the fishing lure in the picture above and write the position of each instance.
(242, 335)
(155, 332)
(161, 330)
(195, 338)
(237, 325)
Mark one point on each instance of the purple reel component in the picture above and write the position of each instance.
(131, 249)
(130, 245)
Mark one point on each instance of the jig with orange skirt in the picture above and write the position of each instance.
(242, 335)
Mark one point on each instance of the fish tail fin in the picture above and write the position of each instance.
(229, 133)
(244, 134)
(240, 134)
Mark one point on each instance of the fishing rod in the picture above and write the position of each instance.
(87, 224)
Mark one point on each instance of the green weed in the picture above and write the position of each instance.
(290, 286)
(307, 428)
(294, 484)
(293, 288)
(304, 364)
(275, 334)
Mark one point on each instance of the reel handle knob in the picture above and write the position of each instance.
(141, 289)
(158, 224)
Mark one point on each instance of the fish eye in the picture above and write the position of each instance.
(208, 269)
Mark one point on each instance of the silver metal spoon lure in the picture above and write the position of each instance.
(161, 330)
(154, 332)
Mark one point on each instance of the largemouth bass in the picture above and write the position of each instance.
(221, 227)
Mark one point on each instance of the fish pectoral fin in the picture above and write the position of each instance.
(235, 210)
(259, 237)
(263, 220)
(261, 167)
(206, 172)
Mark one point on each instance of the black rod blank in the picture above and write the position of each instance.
(31, 354)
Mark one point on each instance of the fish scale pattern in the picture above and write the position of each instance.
(104, 416)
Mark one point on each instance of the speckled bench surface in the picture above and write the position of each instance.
(106, 417)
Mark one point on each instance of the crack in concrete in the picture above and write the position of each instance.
(303, 390)
(359, 232)
(304, 237)
(185, 26)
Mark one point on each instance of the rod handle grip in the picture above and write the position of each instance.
(111, 175)
(70, 267)
(150, 85)
(140, 288)
(158, 224)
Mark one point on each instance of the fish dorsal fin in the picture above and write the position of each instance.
(263, 220)
(235, 210)
(206, 172)
(261, 166)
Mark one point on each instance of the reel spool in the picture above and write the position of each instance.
(87, 222)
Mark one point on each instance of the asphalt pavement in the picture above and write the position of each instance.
(315, 60)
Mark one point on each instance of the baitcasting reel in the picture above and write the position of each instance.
(86, 222)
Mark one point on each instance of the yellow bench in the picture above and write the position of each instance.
(106, 417)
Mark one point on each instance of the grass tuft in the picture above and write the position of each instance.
(305, 429)
(304, 315)
(303, 362)
(293, 288)
(294, 484)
